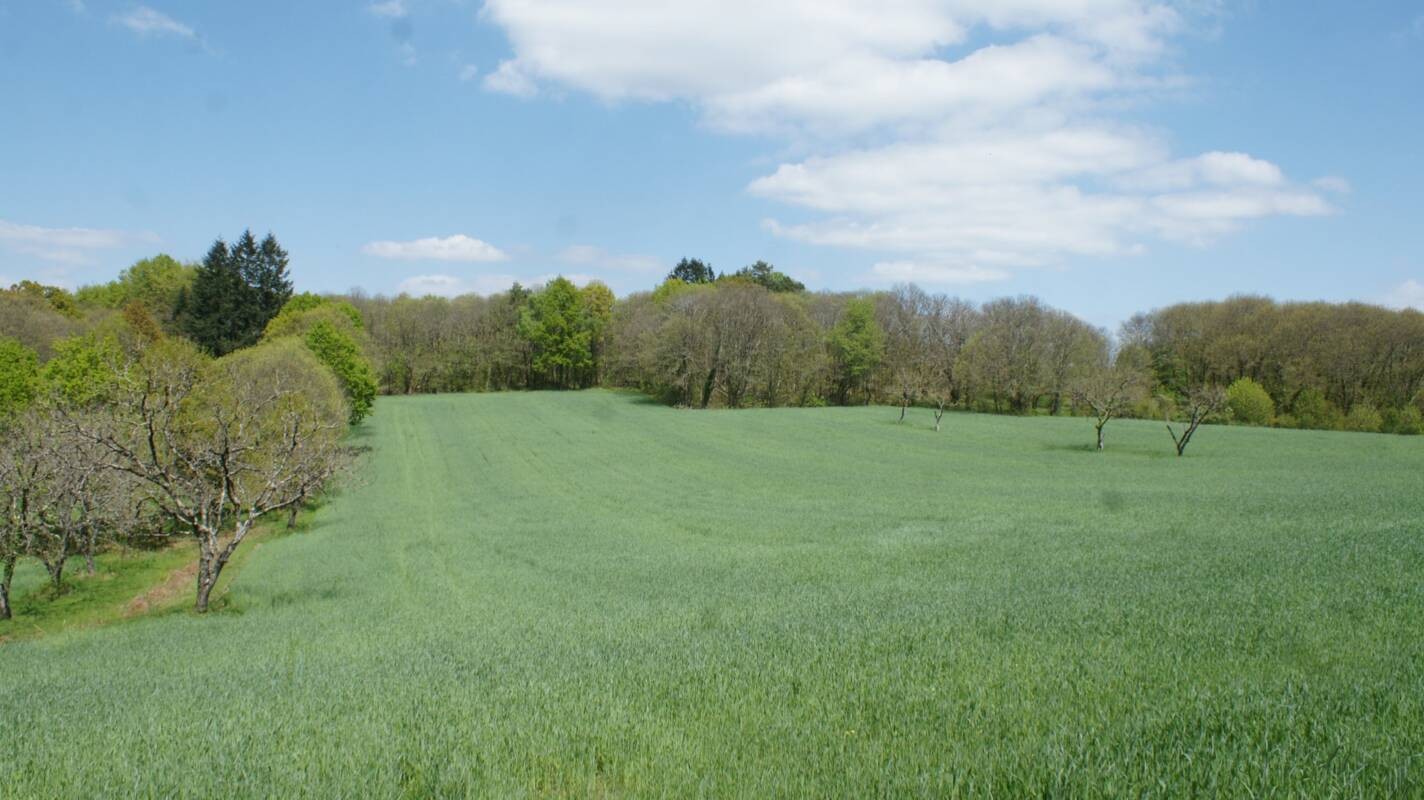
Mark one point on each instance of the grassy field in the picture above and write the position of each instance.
(586, 594)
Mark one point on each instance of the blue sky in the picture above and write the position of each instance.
(1109, 156)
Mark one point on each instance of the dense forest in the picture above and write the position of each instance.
(757, 337)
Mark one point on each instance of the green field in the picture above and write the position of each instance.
(588, 594)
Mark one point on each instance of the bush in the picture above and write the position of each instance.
(1313, 410)
(1408, 421)
(19, 376)
(1249, 402)
(1363, 418)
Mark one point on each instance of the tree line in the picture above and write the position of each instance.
(706, 340)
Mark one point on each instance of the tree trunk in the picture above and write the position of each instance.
(1100, 436)
(56, 573)
(91, 543)
(5, 579)
(207, 575)
(939, 414)
(904, 404)
(707, 386)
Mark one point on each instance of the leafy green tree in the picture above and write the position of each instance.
(19, 377)
(287, 320)
(857, 344)
(1249, 402)
(83, 371)
(235, 292)
(1311, 409)
(766, 276)
(342, 356)
(557, 326)
(55, 297)
(692, 270)
(155, 282)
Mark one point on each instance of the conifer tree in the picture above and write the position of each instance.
(236, 291)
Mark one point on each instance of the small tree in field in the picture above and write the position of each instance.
(1201, 403)
(1110, 391)
(217, 445)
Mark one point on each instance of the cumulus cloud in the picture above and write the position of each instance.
(508, 78)
(1409, 294)
(442, 285)
(146, 21)
(936, 274)
(390, 9)
(589, 256)
(72, 246)
(451, 248)
(993, 137)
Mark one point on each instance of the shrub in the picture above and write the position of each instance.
(1363, 418)
(1313, 410)
(1249, 402)
(1408, 421)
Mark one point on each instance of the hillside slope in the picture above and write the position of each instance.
(584, 593)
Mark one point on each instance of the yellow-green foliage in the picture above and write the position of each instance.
(1249, 403)
(1364, 418)
(19, 377)
(82, 371)
(340, 354)
(334, 332)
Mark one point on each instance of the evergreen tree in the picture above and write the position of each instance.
(692, 270)
(235, 292)
(763, 274)
(274, 287)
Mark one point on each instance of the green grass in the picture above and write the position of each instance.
(105, 597)
(587, 594)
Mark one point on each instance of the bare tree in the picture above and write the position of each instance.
(904, 314)
(219, 445)
(1202, 403)
(951, 323)
(1110, 390)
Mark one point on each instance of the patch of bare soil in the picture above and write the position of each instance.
(179, 581)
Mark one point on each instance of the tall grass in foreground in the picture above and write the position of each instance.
(584, 594)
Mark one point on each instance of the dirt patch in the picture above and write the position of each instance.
(180, 581)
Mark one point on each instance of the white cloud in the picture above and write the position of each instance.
(590, 256)
(390, 9)
(934, 274)
(443, 285)
(1409, 294)
(469, 72)
(993, 142)
(1334, 184)
(146, 21)
(508, 78)
(73, 246)
(451, 248)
